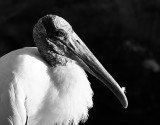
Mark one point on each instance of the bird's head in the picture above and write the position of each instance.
(58, 43)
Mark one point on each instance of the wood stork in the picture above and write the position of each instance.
(47, 85)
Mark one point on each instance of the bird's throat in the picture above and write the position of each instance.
(55, 59)
(68, 98)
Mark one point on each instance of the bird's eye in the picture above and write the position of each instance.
(61, 35)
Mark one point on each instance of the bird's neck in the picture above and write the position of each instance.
(68, 98)
(54, 59)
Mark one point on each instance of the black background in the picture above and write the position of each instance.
(123, 34)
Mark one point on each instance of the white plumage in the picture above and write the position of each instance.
(46, 85)
(46, 101)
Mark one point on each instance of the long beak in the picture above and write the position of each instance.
(90, 63)
(77, 51)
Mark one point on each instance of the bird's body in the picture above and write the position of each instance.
(33, 89)
(47, 85)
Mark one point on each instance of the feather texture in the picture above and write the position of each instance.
(68, 98)
(59, 95)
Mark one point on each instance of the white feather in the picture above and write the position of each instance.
(52, 95)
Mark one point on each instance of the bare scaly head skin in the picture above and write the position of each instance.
(58, 44)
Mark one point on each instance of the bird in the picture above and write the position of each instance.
(47, 84)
